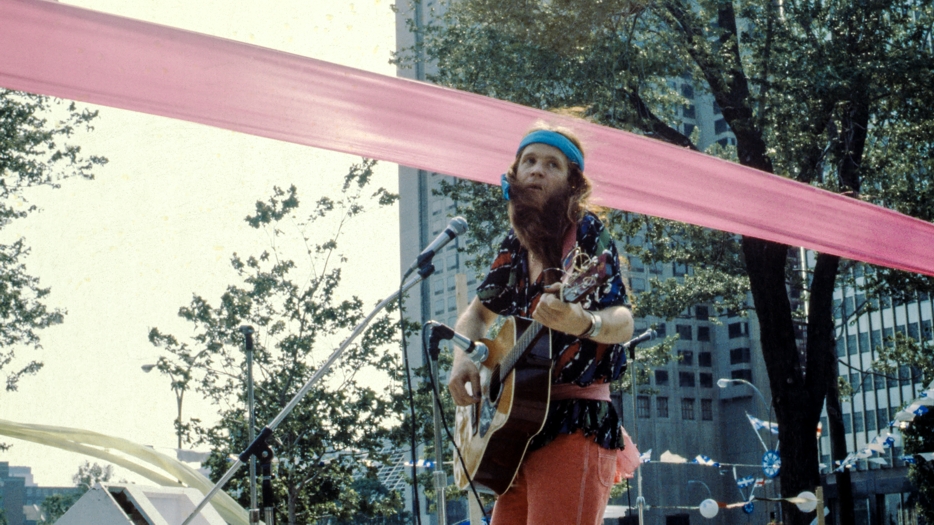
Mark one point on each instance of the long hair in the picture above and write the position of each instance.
(579, 185)
(541, 228)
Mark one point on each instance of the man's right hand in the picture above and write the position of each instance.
(464, 372)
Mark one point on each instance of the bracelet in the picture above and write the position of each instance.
(596, 325)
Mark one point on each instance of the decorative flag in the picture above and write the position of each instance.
(704, 460)
(422, 463)
(668, 457)
(758, 424)
(820, 428)
(760, 482)
(745, 482)
(646, 456)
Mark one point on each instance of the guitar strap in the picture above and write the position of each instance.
(570, 241)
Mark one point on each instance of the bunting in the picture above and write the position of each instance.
(885, 439)
(55, 49)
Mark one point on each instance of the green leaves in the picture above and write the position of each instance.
(295, 304)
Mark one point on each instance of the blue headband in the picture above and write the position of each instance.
(557, 140)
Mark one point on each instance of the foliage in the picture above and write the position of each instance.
(34, 151)
(900, 351)
(89, 474)
(830, 94)
(331, 444)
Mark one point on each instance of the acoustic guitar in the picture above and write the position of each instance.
(515, 380)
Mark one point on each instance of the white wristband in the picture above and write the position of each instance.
(596, 325)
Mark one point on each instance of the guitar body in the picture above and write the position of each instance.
(493, 435)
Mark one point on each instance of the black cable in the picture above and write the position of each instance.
(408, 379)
(447, 429)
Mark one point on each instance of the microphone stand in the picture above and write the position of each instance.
(640, 500)
(259, 447)
(247, 332)
(440, 477)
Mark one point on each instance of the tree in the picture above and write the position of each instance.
(900, 351)
(55, 506)
(33, 152)
(820, 92)
(339, 433)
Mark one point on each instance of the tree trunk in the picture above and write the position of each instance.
(797, 396)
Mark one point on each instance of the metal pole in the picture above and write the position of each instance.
(640, 501)
(248, 334)
(441, 478)
(306, 387)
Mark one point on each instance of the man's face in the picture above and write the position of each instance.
(542, 170)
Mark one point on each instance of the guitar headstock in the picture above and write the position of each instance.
(582, 274)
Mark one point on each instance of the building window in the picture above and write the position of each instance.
(739, 355)
(679, 269)
(858, 422)
(864, 342)
(704, 359)
(706, 408)
(870, 420)
(686, 357)
(687, 408)
(847, 424)
(661, 405)
(687, 90)
(660, 330)
(661, 377)
(742, 374)
(643, 407)
(706, 380)
(737, 330)
(684, 332)
(719, 126)
(635, 263)
(701, 313)
(439, 306)
(689, 111)
(638, 284)
(703, 333)
(686, 379)
(688, 129)
(841, 348)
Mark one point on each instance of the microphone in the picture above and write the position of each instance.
(456, 226)
(475, 350)
(648, 335)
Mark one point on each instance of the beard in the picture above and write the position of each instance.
(540, 222)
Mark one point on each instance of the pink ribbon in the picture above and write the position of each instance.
(78, 54)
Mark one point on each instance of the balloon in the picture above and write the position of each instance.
(709, 508)
(809, 502)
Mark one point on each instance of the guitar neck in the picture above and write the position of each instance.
(522, 344)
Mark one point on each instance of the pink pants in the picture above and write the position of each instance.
(567, 482)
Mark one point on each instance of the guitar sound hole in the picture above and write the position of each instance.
(496, 387)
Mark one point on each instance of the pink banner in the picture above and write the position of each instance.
(83, 55)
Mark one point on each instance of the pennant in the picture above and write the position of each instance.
(820, 428)
(758, 424)
(646, 456)
(704, 460)
(745, 482)
(760, 482)
(668, 457)
(422, 463)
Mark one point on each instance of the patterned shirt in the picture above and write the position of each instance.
(507, 290)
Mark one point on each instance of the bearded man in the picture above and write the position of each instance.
(570, 465)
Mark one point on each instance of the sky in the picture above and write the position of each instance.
(123, 252)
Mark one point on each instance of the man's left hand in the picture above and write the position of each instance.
(559, 315)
